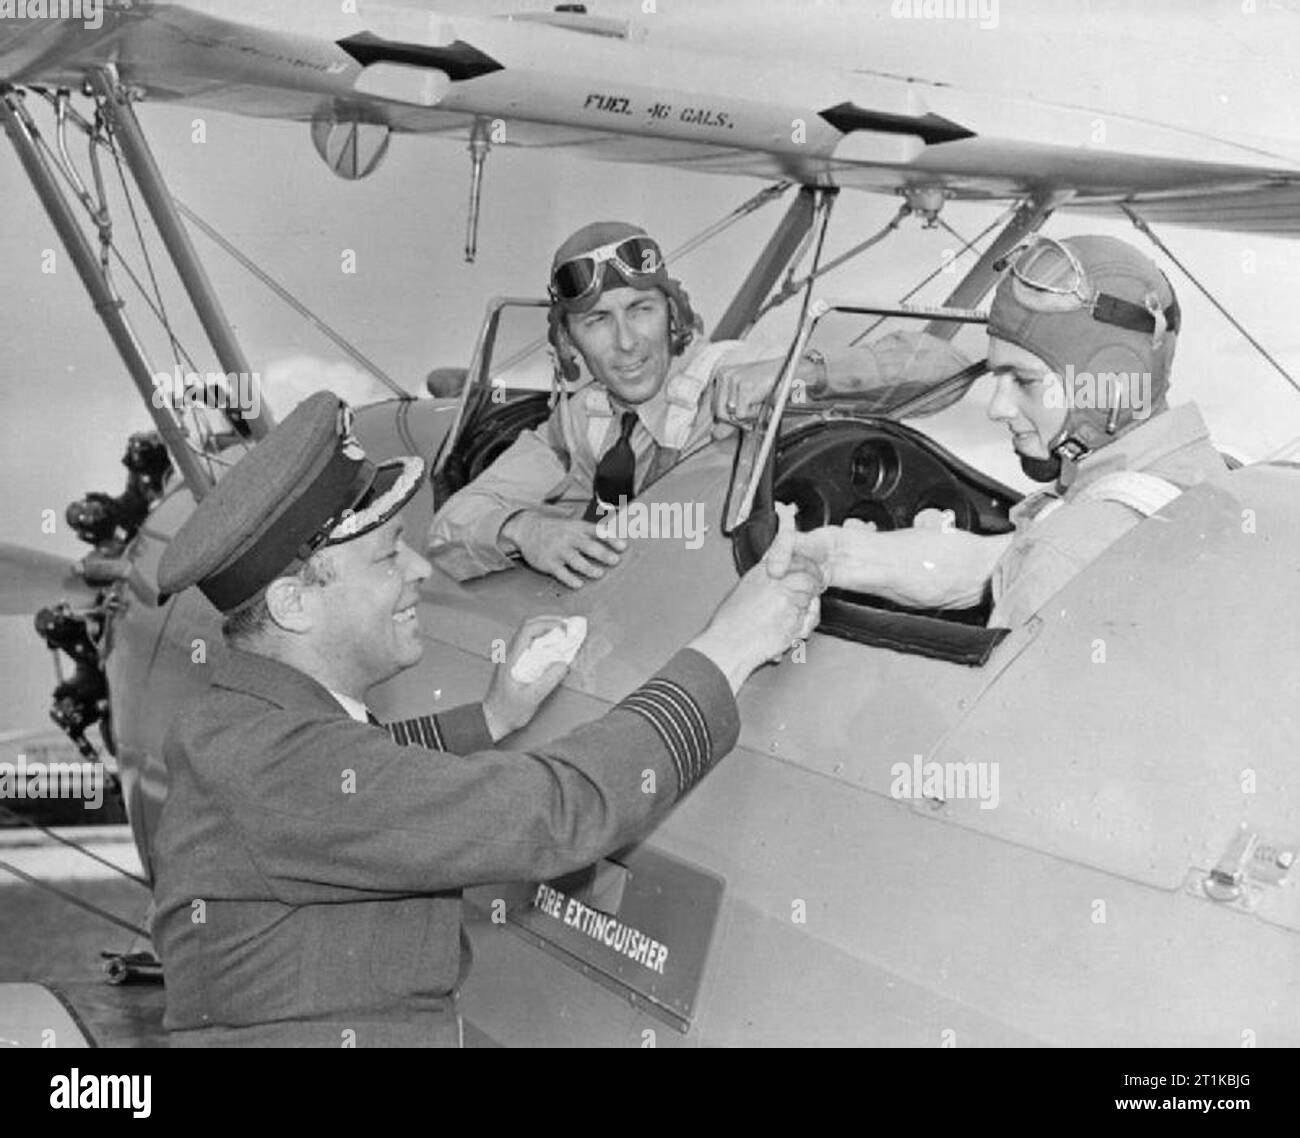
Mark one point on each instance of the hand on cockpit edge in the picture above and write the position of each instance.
(571, 550)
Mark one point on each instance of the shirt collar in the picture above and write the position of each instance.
(354, 707)
(653, 413)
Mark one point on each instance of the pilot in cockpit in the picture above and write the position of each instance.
(640, 389)
(1081, 338)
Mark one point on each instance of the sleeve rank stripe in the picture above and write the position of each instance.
(694, 717)
(685, 713)
(680, 729)
(422, 731)
(654, 716)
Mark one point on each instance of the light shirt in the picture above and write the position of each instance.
(354, 707)
(552, 468)
(1056, 536)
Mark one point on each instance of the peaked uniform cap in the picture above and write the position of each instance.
(307, 484)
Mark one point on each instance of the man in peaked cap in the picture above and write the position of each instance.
(1081, 341)
(643, 391)
(309, 861)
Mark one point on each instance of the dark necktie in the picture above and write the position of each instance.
(616, 472)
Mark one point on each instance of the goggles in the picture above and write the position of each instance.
(1053, 280)
(581, 277)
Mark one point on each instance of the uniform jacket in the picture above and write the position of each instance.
(309, 868)
(1052, 544)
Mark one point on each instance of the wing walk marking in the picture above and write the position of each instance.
(929, 127)
(459, 62)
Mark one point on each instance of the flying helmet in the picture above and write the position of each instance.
(1097, 310)
(611, 254)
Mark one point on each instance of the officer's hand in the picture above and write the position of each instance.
(569, 549)
(510, 704)
(762, 617)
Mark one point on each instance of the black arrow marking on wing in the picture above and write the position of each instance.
(930, 128)
(459, 61)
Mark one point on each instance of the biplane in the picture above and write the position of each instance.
(1134, 882)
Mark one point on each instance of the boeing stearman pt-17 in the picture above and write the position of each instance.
(933, 831)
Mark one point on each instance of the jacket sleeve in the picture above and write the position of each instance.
(342, 812)
(459, 731)
(465, 538)
(1043, 559)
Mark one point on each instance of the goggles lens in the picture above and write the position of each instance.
(1049, 267)
(1049, 278)
(581, 276)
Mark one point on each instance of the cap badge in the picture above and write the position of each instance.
(348, 442)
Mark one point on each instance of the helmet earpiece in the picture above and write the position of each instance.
(562, 349)
(683, 324)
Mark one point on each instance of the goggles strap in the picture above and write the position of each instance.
(606, 254)
(1134, 317)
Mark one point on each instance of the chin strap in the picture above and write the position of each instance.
(1041, 469)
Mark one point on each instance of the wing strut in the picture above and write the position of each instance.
(116, 102)
(747, 305)
(974, 286)
(23, 134)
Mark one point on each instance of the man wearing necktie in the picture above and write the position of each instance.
(643, 390)
(625, 341)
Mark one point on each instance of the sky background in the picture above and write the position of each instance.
(1225, 70)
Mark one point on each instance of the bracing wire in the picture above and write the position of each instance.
(967, 246)
(1146, 230)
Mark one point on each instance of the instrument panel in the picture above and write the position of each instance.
(881, 472)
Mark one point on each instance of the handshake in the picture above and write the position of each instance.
(775, 604)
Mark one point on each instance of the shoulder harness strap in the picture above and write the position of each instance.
(1139, 491)
(685, 387)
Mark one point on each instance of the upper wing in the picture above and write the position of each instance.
(611, 96)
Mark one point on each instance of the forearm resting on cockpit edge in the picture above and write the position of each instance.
(921, 568)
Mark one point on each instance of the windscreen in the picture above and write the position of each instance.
(900, 367)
